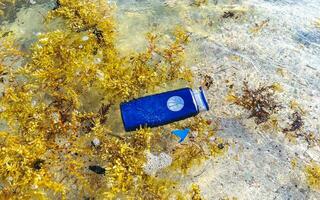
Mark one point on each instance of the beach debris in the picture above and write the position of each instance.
(182, 134)
(97, 169)
(164, 108)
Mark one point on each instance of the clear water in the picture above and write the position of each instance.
(266, 41)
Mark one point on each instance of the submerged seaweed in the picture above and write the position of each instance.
(64, 96)
(296, 124)
(313, 175)
(260, 102)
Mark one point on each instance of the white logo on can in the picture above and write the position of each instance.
(175, 103)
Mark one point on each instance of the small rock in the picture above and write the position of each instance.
(85, 38)
(37, 164)
(220, 146)
(10, 178)
(212, 139)
(95, 142)
(97, 60)
(34, 187)
(97, 169)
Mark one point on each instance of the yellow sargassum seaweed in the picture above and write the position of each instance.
(64, 94)
(313, 176)
(3, 4)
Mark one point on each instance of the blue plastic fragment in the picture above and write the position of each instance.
(182, 134)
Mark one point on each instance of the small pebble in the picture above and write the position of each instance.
(55, 117)
(97, 169)
(212, 139)
(34, 187)
(97, 60)
(34, 103)
(85, 38)
(95, 142)
(10, 178)
(100, 75)
(220, 146)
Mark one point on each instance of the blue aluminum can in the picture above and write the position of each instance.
(164, 108)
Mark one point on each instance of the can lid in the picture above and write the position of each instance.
(201, 100)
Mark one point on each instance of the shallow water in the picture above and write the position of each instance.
(263, 41)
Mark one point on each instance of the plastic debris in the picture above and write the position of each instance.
(182, 134)
(160, 109)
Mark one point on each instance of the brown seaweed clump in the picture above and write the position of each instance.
(207, 81)
(261, 102)
(297, 123)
